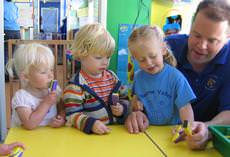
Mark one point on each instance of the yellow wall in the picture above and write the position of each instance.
(158, 12)
(161, 9)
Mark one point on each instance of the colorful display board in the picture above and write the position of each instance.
(126, 65)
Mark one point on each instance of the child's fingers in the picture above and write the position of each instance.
(114, 109)
(17, 144)
(99, 130)
(117, 107)
(53, 93)
(102, 129)
(117, 110)
(60, 120)
(105, 129)
(96, 127)
(57, 122)
(118, 104)
(55, 119)
(60, 117)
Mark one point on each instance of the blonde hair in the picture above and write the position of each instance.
(27, 55)
(93, 39)
(144, 33)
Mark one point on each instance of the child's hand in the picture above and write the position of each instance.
(100, 128)
(117, 109)
(57, 121)
(136, 104)
(6, 149)
(50, 99)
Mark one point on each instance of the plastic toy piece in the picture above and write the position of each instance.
(53, 85)
(115, 98)
(187, 128)
(178, 135)
(17, 152)
(181, 131)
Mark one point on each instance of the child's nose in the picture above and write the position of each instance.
(148, 61)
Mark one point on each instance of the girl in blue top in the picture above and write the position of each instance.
(159, 86)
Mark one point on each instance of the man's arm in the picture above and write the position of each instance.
(221, 118)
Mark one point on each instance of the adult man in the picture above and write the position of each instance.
(11, 27)
(204, 58)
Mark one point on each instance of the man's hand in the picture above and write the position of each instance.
(200, 136)
(136, 122)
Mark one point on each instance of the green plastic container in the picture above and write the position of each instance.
(221, 140)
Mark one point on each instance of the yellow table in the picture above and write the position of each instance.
(69, 142)
(163, 137)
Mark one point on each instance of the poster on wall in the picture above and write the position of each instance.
(49, 19)
(25, 18)
(126, 65)
(174, 16)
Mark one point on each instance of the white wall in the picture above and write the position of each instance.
(103, 12)
(3, 130)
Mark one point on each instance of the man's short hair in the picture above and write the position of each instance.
(217, 10)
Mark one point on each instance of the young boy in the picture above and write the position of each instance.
(88, 96)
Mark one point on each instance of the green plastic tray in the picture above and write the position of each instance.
(221, 140)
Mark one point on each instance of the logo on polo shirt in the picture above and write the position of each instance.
(211, 83)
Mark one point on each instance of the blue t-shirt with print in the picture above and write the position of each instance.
(163, 94)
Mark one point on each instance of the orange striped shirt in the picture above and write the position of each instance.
(101, 86)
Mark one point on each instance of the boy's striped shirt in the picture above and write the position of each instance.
(101, 86)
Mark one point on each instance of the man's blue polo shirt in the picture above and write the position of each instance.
(212, 85)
